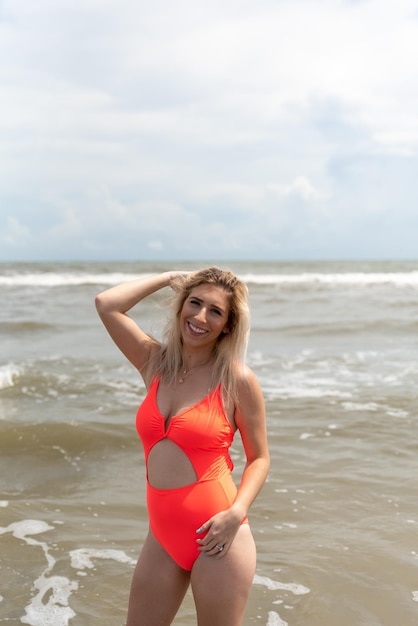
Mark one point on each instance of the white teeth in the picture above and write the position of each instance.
(196, 330)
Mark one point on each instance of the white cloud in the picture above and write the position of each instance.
(15, 234)
(156, 245)
(210, 128)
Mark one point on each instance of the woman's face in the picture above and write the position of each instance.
(204, 315)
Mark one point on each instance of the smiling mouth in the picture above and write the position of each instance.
(196, 330)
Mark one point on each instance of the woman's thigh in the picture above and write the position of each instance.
(158, 587)
(221, 586)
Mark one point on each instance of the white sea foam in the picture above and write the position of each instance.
(58, 279)
(49, 607)
(396, 412)
(55, 611)
(82, 557)
(50, 604)
(274, 619)
(273, 585)
(401, 279)
(20, 530)
(8, 375)
(358, 406)
(373, 406)
(306, 392)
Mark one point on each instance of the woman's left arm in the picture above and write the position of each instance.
(250, 418)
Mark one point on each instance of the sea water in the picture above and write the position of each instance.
(335, 348)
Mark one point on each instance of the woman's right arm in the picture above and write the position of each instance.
(112, 306)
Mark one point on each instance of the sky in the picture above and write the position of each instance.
(208, 129)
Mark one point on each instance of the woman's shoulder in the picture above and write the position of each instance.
(249, 400)
(245, 379)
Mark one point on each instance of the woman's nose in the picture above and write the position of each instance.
(202, 314)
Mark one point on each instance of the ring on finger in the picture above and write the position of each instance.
(219, 548)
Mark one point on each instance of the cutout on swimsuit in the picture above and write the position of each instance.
(168, 466)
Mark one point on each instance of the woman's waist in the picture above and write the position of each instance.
(224, 481)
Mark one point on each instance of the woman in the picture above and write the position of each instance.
(199, 393)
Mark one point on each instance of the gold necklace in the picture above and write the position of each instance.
(186, 370)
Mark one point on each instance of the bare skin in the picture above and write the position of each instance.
(159, 584)
(220, 581)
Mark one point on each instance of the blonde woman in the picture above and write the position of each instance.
(199, 393)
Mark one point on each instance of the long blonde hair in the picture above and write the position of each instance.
(230, 350)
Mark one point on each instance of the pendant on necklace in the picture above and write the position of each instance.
(181, 379)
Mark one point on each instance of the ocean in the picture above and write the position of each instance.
(335, 348)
